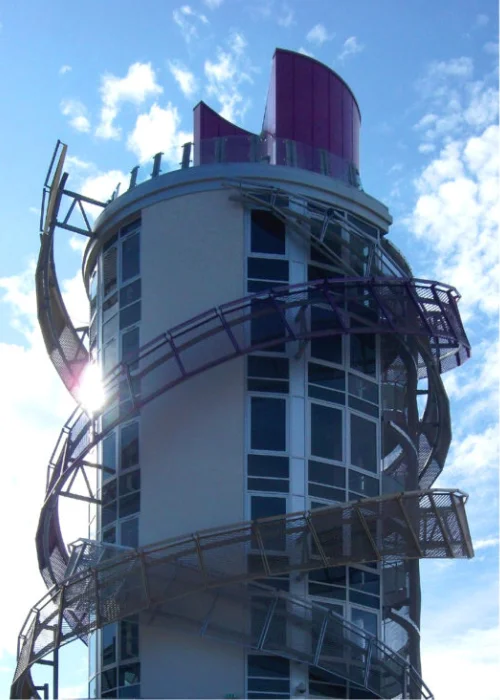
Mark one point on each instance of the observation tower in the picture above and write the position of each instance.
(260, 468)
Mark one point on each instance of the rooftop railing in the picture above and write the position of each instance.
(265, 149)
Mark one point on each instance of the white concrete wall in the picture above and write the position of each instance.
(192, 437)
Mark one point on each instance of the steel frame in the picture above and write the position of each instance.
(426, 312)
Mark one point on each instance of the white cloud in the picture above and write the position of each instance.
(184, 78)
(78, 163)
(426, 148)
(65, 69)
(213, 4)
(482, 20)
(186, 19)
(491, 47)
(318, 35)
(350, 47)
(138, 85)
(486, 543)
(77, 113)
(226, 74)
(158, 130)
(34, 407)
(304, 51)
(78, 243)
(286, 16)
(34, 210)
(100, 186)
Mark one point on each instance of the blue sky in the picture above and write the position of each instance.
(117, 81)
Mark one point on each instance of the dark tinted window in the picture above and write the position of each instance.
(130, 257)
(109, 270)
(267, 507)
(267, 325)
(326, 474)
(129, 674)
(328, 377)
(363, 353)
(363, 443)
(267, 269)
(130, 293)
(109, 455)
(268, 666)
(109, 644)
(129, 533)
(129, 446)
(268, 234)
(326, 432)
(129, 639)
(130, 315)
(268, 424)
(130, 347)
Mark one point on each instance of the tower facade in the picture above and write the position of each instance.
(259, 469)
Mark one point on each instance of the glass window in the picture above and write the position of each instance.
(362, 484)
(130, 691)
(366, 581)
(129, 674)
(92, 638)
(109, 645)
(325, 685)
(110, 329)
(328, 583)
(267, 507)
(130, 504)
(364, 619)
(109, 271)
(129, 639)
(130, 293)
(326, 432)
(109, 535)
(267, 233)
(325, 473)
(267, 269)
(93, 688)
(130, 482)
(129, 446)
(109, 307)
(108, 680)
(267, 373)
(109, 357)
(363, 388)
(328, 377)
(363, 353)
(130, 347)
(268, 424)
(267, 325)
(109, 455)
(328, 348)
(363, 443)
(130, 227)
(275, 635)
(108, 514)
(129, 533)
(130, 315)
(130, 257)
(268, 473)
(262, 666)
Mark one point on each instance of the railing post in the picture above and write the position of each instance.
(157, 164)
(133, 177)
(186, 155)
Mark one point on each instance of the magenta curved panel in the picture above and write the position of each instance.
(210, 125)
(309, 103)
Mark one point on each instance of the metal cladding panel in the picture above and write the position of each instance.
(313, 106)
(269, 122)
(209, 125)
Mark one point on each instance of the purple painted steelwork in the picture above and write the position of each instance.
(209, 125)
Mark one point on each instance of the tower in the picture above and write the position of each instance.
(259, 470)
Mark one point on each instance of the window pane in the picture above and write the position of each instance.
(363, 443)
(268, 666)
(129, 639)
(266, 324)
(130, 315)
(325, 376)
(130, 691)
(268, 424)
(130, 347)
(268, 465)
(109, 535)
(109, 357)
(363, 484)
(108, 679)
(109, 307)
(363, 353)
(129, 533)
(326, 474)
(130, 482)
(130, 227)
(363, 406)
(130, 257)
(109, 645)
(130, 293)
(268, 233)
(363, 389)
(267, 507)
(366, 581)
(271, 367)
(110, 329)
(130, 505)
(267, 269)
(326, 432)
(129, 674)
(278, 485)
(109, 271)
(364, 619)
(109, 455)
(108, 514)
(129, 446)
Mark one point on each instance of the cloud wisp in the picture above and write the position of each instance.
(350, 47)
(136, 87)
(77, 114)
(318, 35)
(184, 78)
